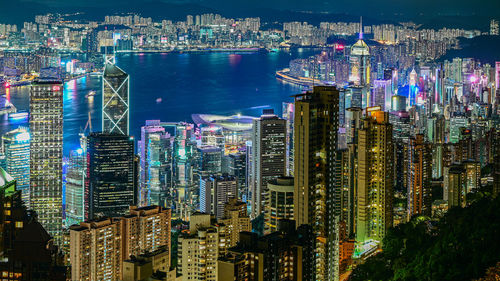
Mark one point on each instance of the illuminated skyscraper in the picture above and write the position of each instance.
(16, 146)
(75, 187)
(315, 146)
(110, 184)
(375, 177)
(115, 99)
(382, 94)
(288, 114)
(155, 150)
(215, 192)
(359, 61)
(279, 203)
(269, 153)
(419, 157)
(46, 146)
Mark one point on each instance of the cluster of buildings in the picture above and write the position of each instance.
(296, 196)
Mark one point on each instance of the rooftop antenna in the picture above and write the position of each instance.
(361, 28)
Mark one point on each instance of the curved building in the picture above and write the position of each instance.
(279, 203)
(232, 123)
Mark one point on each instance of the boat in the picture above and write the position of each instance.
(8, 109)
(18, 115)
(90, 94)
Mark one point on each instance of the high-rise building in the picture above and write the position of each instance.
(110, 184)
(288, 114)
(494, 30)
(236, 220)
(95, 250)
(155, 150)
(16, 146)
(145, 229)
(456, 186)
(199, 249)
(268, 156)
(237, 168)
(359, 60)
(382, 94)
(115, 99)
(419, 159)
(375, 177)
(210, 160)
(282, 255)
(46, 147)
(472, 175)
(75, 187)
(315, 146)
(279, 203)
(215, 192)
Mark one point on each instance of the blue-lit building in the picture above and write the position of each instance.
(16, 146)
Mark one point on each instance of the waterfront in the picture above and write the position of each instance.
(171, 87)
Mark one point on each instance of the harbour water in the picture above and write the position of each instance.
(171, 87)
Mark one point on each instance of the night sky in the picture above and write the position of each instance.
(478, 11)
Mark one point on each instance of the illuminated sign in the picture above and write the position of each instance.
(56, 88)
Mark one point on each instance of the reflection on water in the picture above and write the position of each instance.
(218, 83)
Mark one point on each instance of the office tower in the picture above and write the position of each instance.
(184, 150)
(456, 186)
(398, 103)
(472, 175)
(494, 27)
(419, 193)
(497, 75)
(210, 160)
(212, 136)
(359, 61)
(110, 185)
(199, 249)
(279, 203)
(215, 192)
(375, 177)
(282, 255)
(46, 147)
(75, 187)
(145, 229)
(268, 156)
(115, 99)
(16, 146)
(237, 168)
(155, 150)
(456, 125)
(315, 133)
(288, 114)
(95, 250)
(382, 94)
(236, 220)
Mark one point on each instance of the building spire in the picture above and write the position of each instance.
(361, 28)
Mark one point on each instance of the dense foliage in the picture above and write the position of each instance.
(460, 246)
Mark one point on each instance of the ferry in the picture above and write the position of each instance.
(8, 109)
(18, 116)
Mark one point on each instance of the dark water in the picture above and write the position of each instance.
(216, 83)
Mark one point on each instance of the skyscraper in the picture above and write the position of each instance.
(419, 158)
(375, 177)
(46, 146)
(95, 250)
(75, 187)
(315, 146)
(111, 176)
(215, 192)
(279, 203)
(359, 61)
(288, 114)
(155, 150)
(269, 153)
(16, 146)
(115, 99)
